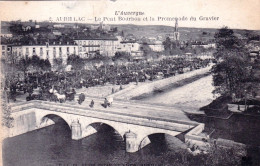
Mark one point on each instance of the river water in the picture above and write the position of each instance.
(53, 146)
(190, 96)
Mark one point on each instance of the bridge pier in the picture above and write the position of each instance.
(76, 132)
(133, 143)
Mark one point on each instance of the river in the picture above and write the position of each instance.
(192, 96)
(53, 146)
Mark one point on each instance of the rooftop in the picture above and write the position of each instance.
(93, 36)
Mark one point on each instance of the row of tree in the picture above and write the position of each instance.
(33, 64)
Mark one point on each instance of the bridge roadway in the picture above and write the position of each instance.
(134, 121)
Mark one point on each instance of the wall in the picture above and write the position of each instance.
(23, 122)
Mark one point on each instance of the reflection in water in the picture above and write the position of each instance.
(53, 146)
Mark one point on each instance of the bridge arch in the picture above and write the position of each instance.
(145, 140)
(99, 126)
(52, 118)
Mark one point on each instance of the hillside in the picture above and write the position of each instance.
(186, 33)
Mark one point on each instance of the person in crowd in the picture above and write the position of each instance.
(120, 75)
(105, 103)
(92, 104)
(81, 98)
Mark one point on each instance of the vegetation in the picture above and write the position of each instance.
(7, 119)
(171, 47)
(76, 62)
(58, 64)
(120, 55)
(34, 63)
(232, 70)
(216, 157)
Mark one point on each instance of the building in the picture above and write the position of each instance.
(56, 32)
(205, 45)
(59, 26)
(105, 27)
(156, 46)
(253, 45)
(101, 26)
(128, 46)
(89, 45)
(254, 50)
(5, 50)
(46, 50)
(133, 48)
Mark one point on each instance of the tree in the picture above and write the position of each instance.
(58, 64)
(76, 62)
(171, 47)
(122, 55)
(167, 44)
(252, 35)
(7, 119)
(230, 71)
(36, 64)
(23, 65)
(47, 65)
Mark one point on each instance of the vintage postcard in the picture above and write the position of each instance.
(130, 83)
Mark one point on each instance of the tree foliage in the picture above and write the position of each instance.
(34, 63)
(122, 55)
(58, 64)
(7, 119)
(76, 62)
(232, 68)
(171, 47)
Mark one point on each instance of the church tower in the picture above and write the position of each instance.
(176, 33)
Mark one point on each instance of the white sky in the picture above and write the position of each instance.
(241, 14)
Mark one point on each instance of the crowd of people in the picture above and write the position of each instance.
(61, 86)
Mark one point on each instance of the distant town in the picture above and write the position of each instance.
(50, 41)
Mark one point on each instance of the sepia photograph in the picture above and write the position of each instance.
(130, 83)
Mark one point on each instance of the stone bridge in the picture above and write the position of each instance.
(123, 117)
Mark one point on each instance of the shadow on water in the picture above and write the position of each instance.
(157, 146)
(53, 145)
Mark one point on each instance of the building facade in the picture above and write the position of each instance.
(128, 46)
(88, 47)
(48, 51)
(156, 46)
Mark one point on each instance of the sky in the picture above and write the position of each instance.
(237, 14)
